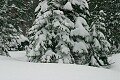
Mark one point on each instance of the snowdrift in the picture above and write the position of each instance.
(10, 69)
(116, 66)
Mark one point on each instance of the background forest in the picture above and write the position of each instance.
(56, 31)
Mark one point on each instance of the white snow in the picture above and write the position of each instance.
(115, 58)
(47, 13)
(64, 28)
(83, 22)
(74, 2)
(80, 47)
(56, 23)
(102, 12)
(65, 49)
(47, 56)
(50, 53)
(94, 33)
(12, 69)
(68, 6)
(106, 43)
(82, 3)
(18, 55)
(101, 35)
(66, 38)
(58, 12)
(33, 53)
(79, 32)
(44, 6)
(22, 38)
(38, 7)
(80, 29)
(96, 43)
(68, 23)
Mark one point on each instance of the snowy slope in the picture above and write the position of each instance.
(18, 55)
(13, 69)
(115, 58)
(16, 70)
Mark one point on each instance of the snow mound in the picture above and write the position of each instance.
(17, 55)
(15, 70)
(4, 58)
(11, 69)
(116, 66)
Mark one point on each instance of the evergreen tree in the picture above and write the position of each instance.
(17, 16)
(112, 9)
(60, 34)
(21, 14)
(100, 45)
(7, 30)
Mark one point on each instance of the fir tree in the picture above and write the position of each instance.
(19, 15)
(10, 23)
(7, 30)
(58, 36)
(100, 45)
(111, 8)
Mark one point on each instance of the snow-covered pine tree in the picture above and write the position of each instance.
(77, 11)
(4, 28)
(112, 9)
(100, 45)
(8, 31)
(49, 35)
(21, 14)
(58, 36)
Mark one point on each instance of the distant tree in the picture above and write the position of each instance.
(21, 13)
(100, 45)
(7, 30)
(112, 9)
(16, 17)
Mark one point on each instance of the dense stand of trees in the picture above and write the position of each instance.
(112, 20)
(67, 31)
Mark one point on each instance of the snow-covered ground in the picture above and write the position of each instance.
(18, 55)
(115, 58)
(16, 68)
